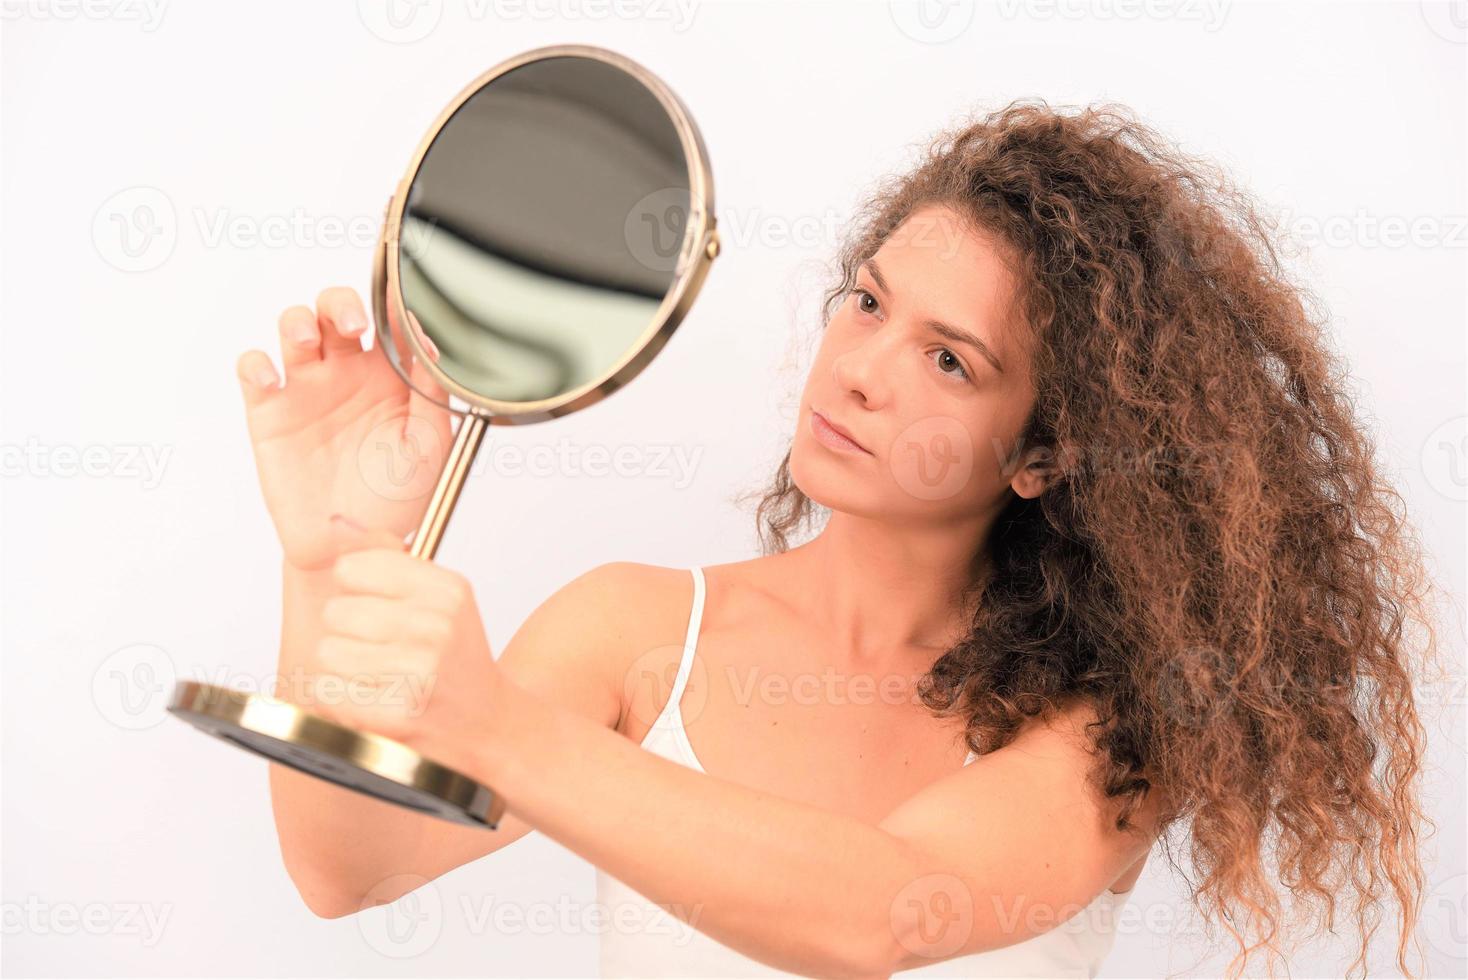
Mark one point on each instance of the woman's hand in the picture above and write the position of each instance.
(404, 652)
(343, 434)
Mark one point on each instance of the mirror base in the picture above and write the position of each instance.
(360, 761)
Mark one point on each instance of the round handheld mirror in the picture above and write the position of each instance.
(550, 234)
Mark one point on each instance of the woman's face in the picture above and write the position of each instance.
(923, 368)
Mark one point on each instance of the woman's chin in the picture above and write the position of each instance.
(830, 483)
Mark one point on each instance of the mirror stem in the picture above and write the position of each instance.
(450, 482)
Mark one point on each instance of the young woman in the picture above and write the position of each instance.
(1106, 556)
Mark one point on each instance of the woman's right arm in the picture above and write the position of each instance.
(343, 434)
(345, 851)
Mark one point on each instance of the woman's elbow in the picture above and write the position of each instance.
(324, 898)
(874, 952)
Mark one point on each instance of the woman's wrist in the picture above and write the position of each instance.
(305, 582)
(303, 593)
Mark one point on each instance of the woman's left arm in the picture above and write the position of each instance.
(1005, 848)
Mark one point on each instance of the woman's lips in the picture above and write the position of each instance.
(835, 438)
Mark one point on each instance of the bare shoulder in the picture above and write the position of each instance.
(620, 594)
(624, 593)
(1069, 733)
(620, 605)
(650, 616)
(587, 644)
(1069, 727)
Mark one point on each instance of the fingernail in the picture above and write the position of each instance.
(302, 335)
(346, 521)
(353, 323)
(264, 377)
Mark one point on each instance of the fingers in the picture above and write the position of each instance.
(300, 339)
(376, 563)
(341, 320)
(355, 658)
(386, 684)
(359, 617)
(335, 326)
(426, 396)
(373, 619)
(257, 375)
(387, 572)
(422, 336)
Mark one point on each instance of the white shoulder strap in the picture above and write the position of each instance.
(695, 617)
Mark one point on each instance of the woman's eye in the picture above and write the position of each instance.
(861, 296)
(949, 363)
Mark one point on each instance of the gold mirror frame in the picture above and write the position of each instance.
(291, 735)
(696, 253)
(699, 247)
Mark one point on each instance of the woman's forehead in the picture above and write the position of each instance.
(946, 269)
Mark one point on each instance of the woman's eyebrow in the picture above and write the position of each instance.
(946, 330)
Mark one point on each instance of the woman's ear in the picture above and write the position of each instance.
(1036, 471)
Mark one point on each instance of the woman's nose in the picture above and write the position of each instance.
(860, 371)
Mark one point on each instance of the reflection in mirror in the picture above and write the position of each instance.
(543, 228)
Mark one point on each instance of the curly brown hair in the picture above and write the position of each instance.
(1221, 568)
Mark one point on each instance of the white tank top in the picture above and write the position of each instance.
(641, 939)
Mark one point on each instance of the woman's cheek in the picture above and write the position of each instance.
(933, 458)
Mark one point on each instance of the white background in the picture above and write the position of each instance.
(249, 137)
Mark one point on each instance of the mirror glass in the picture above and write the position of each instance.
(543, 228)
